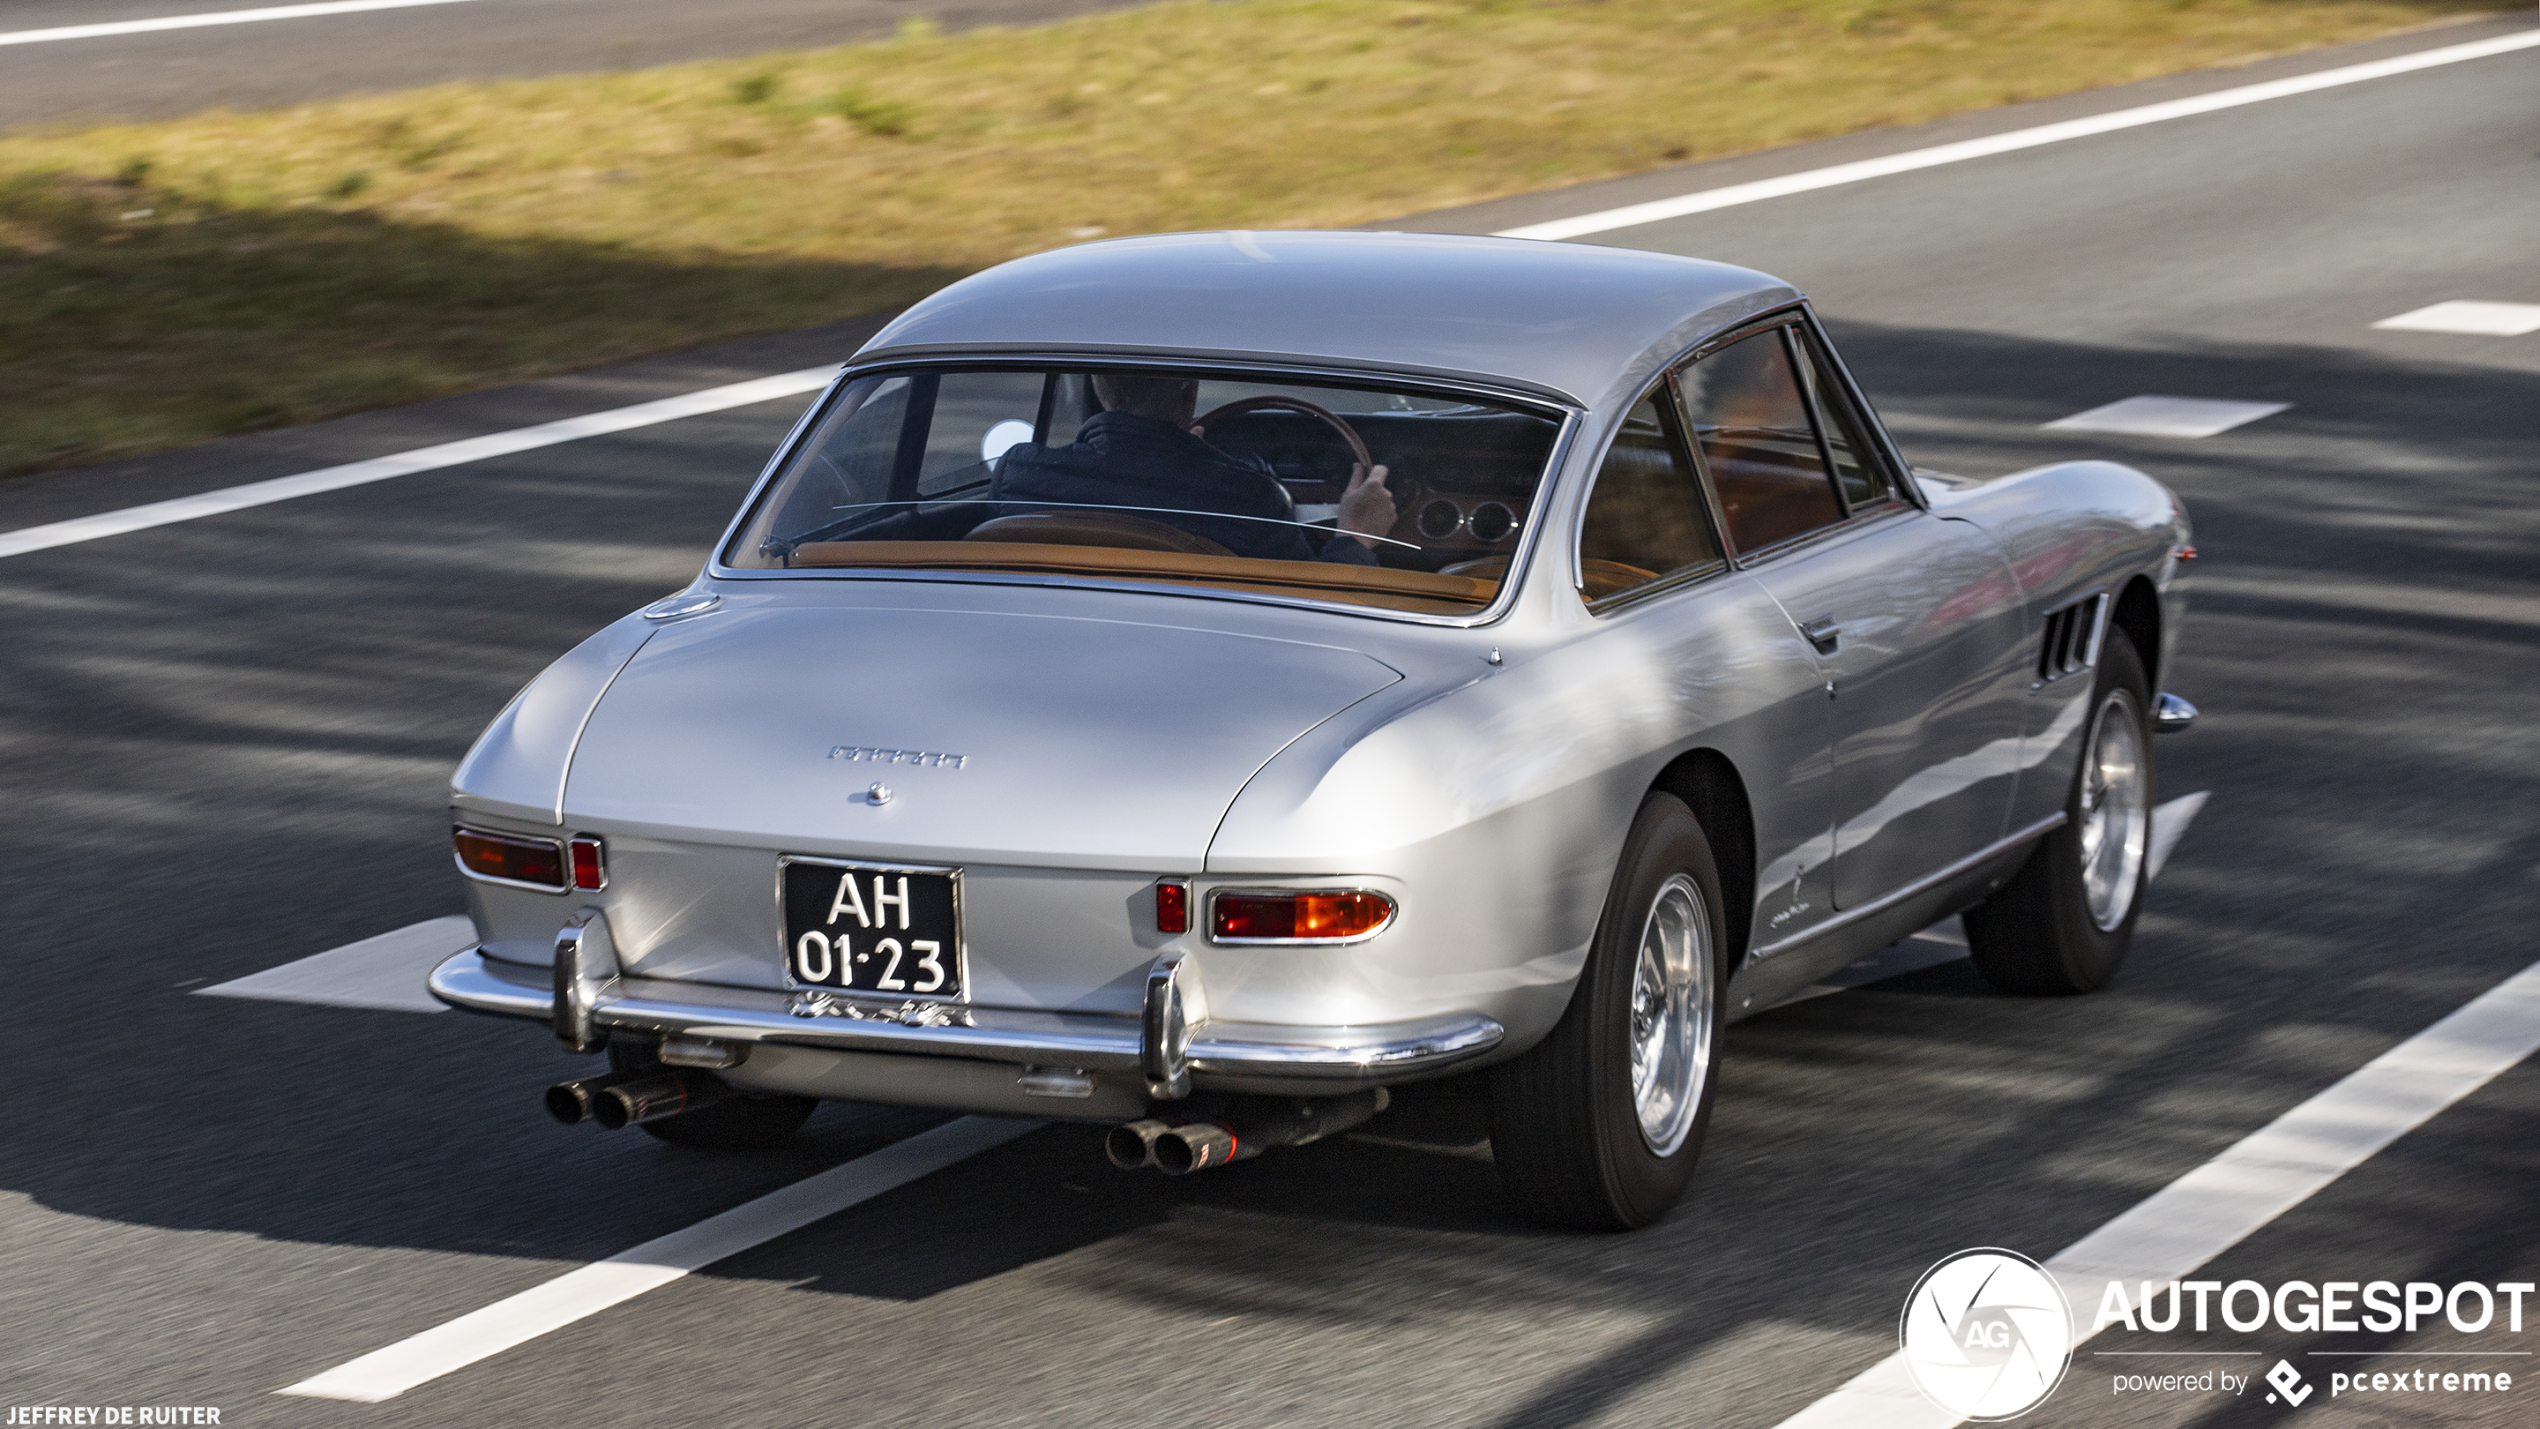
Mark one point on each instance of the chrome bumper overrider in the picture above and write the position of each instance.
(473, 982)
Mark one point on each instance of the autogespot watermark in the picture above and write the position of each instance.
(1988, 1334)
(48, 1414)
(2332, 1307)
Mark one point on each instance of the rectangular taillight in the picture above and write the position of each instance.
(507, 858)
(587, 870)
(1337, 915)
(1172, 907)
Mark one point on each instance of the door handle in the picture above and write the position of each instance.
(1823, 633)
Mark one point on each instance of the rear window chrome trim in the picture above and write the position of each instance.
(1520, 560)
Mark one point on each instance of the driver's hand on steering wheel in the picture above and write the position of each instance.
(1366, 507)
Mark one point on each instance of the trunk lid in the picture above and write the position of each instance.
(1052, 741)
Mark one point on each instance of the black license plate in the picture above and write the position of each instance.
(872, 928)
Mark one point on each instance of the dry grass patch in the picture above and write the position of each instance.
(168, 282)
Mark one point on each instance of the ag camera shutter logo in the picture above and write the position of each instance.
(1987, 1334)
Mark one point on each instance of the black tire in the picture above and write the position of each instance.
(1564, 1125)
(2037, 934)
(753, 1121)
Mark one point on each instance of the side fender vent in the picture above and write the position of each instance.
(2072, 637)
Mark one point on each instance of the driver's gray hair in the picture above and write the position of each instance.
(1166, 399)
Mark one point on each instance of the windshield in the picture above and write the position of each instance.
(1397, 499)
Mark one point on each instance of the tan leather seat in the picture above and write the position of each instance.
(1094, 528)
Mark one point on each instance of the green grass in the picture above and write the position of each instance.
(165, 283)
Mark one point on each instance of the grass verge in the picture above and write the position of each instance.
(165, 283)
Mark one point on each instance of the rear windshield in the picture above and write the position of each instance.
(1367, 495)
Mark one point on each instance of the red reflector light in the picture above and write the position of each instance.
(513, 860)
(1172, 908)
(587, 872)
(1323, 917)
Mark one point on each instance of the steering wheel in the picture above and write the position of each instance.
(1274, 403)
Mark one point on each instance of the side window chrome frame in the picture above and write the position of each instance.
(1900, 475)
(1671, 422)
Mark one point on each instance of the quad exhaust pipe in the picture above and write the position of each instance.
(1178, 1149)
(624, 1099)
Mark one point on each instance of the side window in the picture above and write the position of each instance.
(977, 416)
(1744, 405)
(1644, 519)
(1856, 470)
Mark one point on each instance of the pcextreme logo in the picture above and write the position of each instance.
(1987, 1334)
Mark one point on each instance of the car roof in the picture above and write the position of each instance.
(1576, 322)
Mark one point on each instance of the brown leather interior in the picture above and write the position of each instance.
(1599, 579)
(1418, 591)
(1093, 528)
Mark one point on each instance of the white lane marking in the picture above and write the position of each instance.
(216, 17)
(434, 458)
(1633, 215)
(576, 1295)
(2167, 417)
(1946, 941)
(384, 972)
(2169, 825)
(2463, 315)
(2270, 1171)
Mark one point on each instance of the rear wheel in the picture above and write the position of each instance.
(2065, 921)
(746, 1121)
(1599, 1126)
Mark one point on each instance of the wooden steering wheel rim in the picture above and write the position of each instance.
(1274, 403)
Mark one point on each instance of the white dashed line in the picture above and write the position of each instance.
(1633, 215)
(2167, 417)
(2269, 1172)
(448, 454)
(2465, 316)
(107, 29)
(579, 1294)
(2169, 825)
(385, 972)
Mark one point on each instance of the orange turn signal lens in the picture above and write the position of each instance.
(505, 859)
(1333, 916)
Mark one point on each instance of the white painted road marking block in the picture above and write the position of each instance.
(2480, 319)
(448, 454)
(2169, 825)
(2167, 417)
(1657, 210)
(2268, 1172)
(384, 972)
(387, 1373)
(216, 17)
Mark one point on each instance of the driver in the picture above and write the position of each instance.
(1143, 451)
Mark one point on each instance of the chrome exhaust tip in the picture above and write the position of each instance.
(572, 1103)
(650, 1098)
(1131, 1145)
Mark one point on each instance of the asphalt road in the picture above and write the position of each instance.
(270, 63)
(226, 743)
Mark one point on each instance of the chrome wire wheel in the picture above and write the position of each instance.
(2116, 824)
(1672, 1002)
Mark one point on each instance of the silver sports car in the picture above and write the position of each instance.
(1199, 683)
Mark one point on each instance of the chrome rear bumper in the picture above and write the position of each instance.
(1230, 1055)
